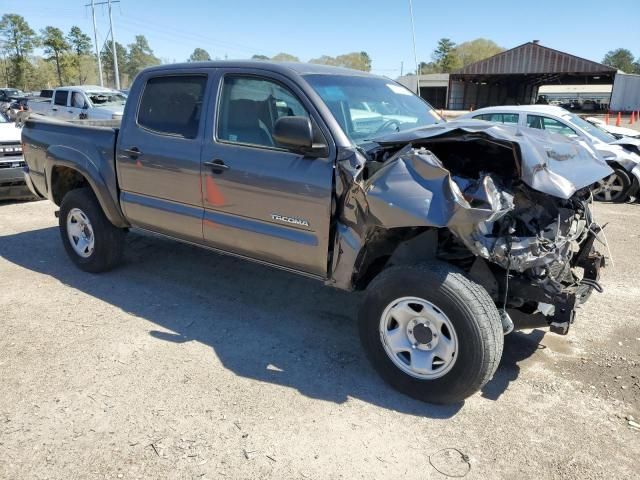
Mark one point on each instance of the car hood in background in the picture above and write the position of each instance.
(549, 163)
(627, 141)
(627, 132)
(9, 132)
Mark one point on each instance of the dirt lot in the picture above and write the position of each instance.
(186, 364)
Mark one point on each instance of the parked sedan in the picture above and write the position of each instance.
(620, 154)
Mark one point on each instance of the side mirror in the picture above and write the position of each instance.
(85, 106)
(295, 133)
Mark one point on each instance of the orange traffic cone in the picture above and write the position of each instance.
(619, 119)
(632, 120)
(606, 118)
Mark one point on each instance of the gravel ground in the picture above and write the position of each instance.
(186, 364)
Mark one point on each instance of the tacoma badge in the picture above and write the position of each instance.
(292, 220)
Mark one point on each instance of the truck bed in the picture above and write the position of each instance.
(89, 148)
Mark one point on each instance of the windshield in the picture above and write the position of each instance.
(106, 99)
(589, 128)
(12, 92)
(370, 107)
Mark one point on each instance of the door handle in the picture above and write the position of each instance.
(54, 109)
(218, 166)
(133, 152)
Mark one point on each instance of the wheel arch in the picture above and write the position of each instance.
(68, 169)
(391, 247)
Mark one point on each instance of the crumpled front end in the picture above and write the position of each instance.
(511, 208)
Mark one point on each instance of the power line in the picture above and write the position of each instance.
(170, 32)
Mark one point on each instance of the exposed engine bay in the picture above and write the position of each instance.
(511, 208)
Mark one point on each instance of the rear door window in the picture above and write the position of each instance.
(506, 118)
(510, 118)
(549, 124)
(61, 97)
(172, 105)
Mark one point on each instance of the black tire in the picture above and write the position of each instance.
(620, 178)
(583, 293)
(469, 308)
(108, 239)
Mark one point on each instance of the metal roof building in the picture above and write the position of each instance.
(434, 87)
(513, 76)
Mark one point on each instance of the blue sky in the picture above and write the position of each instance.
(240, 28)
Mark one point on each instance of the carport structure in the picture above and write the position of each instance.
(513, 76)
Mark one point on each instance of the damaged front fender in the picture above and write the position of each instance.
(516, 199)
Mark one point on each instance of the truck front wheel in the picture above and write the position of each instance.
(92, 242)
(430, 332)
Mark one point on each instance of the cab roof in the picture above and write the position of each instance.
(284, 68)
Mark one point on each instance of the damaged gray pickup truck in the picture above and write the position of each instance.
(453, 230)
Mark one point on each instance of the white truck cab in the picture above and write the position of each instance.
(83, 102)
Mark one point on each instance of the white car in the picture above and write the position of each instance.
(82, 102)
(617, 132)
(620, 154)
(12, 182)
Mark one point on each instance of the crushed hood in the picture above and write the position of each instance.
(515, 197)
(546, 162)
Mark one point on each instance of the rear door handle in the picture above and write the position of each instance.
(133, 152)
(217, 165)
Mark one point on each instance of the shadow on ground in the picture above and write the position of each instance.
(262, 323)
(518, 346)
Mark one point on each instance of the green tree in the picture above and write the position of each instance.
(140, 56)
(17, 40)
(260, 57)
(620, 58)
(107, 63)
(324, 60)
(80, 44)
(426, 68)
(285, 57)
(354, 60)
(476, 50)
(55, 46)
(199, 55)
(41, 73)
(445, 56)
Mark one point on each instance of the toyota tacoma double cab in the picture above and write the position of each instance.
(454, 230)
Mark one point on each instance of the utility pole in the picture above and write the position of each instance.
(113, 40)
(415, 56)
(95, 38)
(113, 49)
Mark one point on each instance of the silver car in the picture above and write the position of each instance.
(621, 156)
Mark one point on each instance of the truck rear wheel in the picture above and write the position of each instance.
(430, 332)
(92, 242)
